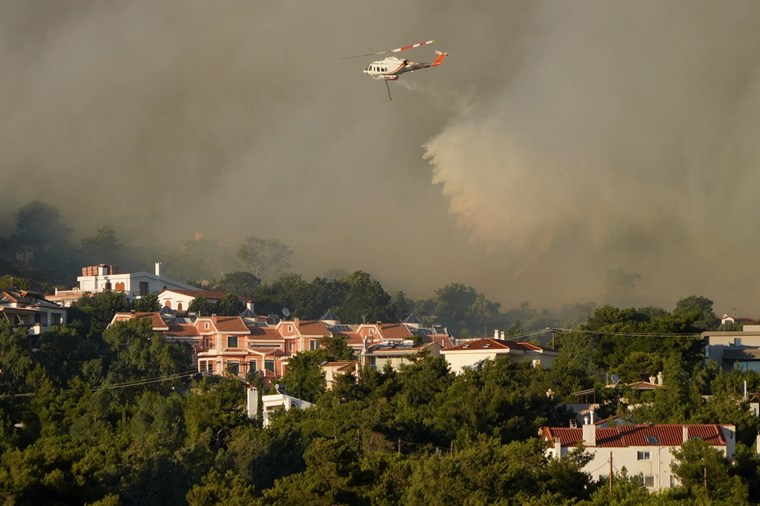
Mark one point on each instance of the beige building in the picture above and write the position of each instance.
(644, 450)
(472, 353)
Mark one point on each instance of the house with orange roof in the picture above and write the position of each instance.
(644, 450)
(302, 335)
(473, 353)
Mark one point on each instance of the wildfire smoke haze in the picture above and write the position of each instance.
(557, 142)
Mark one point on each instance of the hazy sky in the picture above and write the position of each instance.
(558, 141)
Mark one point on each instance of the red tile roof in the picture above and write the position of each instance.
(394, 331)
(636, 435)
(498, 344)
(264, 334)
(227, 324)
(183, 330)
(156, 321)
(312, 328)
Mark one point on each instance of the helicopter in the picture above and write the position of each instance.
(390, 68)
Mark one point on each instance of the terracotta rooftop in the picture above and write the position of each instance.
(498, 344)
(312, 328)
(638, 435)
(264, 333)
(227, 323)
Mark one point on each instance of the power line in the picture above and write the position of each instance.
(626, 334)
(124, 384)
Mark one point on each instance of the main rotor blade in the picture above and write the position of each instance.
(397, 50)
(364, 55)
(412, 46)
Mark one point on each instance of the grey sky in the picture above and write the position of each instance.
(558, 141)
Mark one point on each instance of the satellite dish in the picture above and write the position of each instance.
(286, 312)
(615, 379)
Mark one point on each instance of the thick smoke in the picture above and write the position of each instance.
(566, 139)
(626, 137)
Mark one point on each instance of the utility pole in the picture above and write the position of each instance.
(611, 477)
(705, 477)
(553, 332)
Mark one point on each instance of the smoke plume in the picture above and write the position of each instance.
(558, 142)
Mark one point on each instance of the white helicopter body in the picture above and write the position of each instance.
(391, 68)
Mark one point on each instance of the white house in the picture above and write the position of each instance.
(103, 277)
(644, 450)
(270, 403)
(471, 354)
(179, 299)
(30, 310)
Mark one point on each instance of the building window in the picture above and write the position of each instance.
(737, 341)
(143, 288)
(232, 341)
(647, 481)
(233, 368)
(253, 366)
(643, 456)
(313, 345)
(269, 365)
(290, 328)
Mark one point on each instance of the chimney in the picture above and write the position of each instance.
(296, 321)
(685, 433)
(158, 269)
(213, 319)
(249, 305)
(558, 447)
(659, 378)
(589, 434)
(653, 380)
(503, 334)
(591, 416)
(496, 333)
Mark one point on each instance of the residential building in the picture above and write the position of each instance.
(734, 349)
(302, 335)
(332, 370)
(104, 277)
(473, 353)
(179, 300)
(271, 403)
(396, 353)
(644, 450)
(31, 310)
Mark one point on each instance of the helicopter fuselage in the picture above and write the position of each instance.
(389, 68)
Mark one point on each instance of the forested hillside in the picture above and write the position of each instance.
(119, 416)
